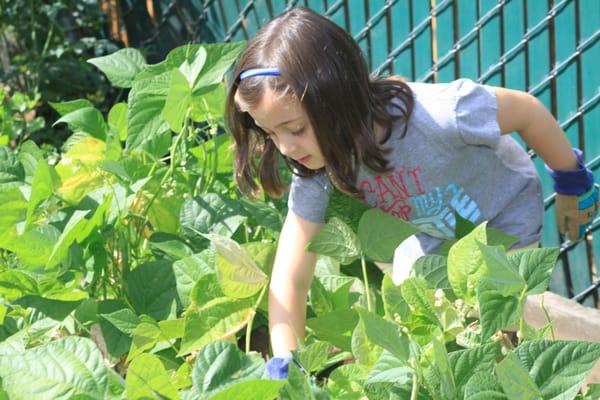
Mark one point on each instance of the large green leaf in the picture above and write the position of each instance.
(336, 240)
(69, 367)
(535, 266)
(515, 380)
(380, 233)
(147, 378)
(120, 67)
(465, 363)
(335, 327)
(124, 320)
(178, 101)
(152, 289)
(88, 120)
(219, 57)
(224, 159)
(484, 386)
(14, 208)
(385, 334)
(313, 357)
(238, 274)
(419, 298)
(220, 365)
(434, 269)
(501, 273)
(15, 284)
(496, 310)
(558, 368)
(187, 272)
(218, 319)
(390, 369)
(394, 304)
(11, 169)
(34, 246)
(207, 104)
(51, 308)
(117, 342)
(465, 264)
(144, 114)
(210, 213)
(193, 63)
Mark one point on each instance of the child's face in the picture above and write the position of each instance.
(283, 118)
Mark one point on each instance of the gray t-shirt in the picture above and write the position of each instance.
(453, 158)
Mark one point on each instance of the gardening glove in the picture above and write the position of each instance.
(576, 199)
(277, 367)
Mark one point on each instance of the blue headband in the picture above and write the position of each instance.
(274, 71)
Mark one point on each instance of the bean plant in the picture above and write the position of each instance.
(131, 267)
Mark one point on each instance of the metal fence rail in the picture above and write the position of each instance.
(548, 48)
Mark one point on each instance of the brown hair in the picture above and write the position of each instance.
(322, 66)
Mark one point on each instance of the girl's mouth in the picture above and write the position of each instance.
(304, 160)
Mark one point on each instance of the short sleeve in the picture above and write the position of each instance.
(476, 108)
(309, 197)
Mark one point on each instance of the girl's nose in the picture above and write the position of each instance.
(287, 145)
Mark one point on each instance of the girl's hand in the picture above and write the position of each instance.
(576, 199)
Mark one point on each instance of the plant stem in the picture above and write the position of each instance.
(521, 334)
(366, 279)
(415, 387)
(251, 322)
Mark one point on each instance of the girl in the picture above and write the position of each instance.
(418, 151)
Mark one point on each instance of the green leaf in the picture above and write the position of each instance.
(484, 386)
(297, 386)
(178, 101)
(120, 67)
(380, 233)
(224, 162)
(15, 284)
(465, 363)
(515, 381)
(346, 382)
(192, 65)
(207, 104)
(61, 369)
(124, 320)
(465, 264)
(29, 155)
(559, 367)
(347, 208)
(152, 289)
(144, 113)
(497, 311)
(76, 224)
(14, 208)
(385, 334)
(434, 269)
(394, 304)
(117, 119)
(55, 309)
(501, 273)
(209, 213)
(88, 120)
(336, 240)
(496, 237)
(365, 352)
(220, 365)
(238, 274)
(448, 388)
(145, 336)
(390, 369)
(147, 378)
(335, 327)
(11, 169)
(68, 107)
(34, 246)
(313, 357)
(251, 390)
(187, 272)
(45, 180)
(535, 266)
(416, 293)
(218, 319)
(219, 57)
(117, 342)
(320, 300)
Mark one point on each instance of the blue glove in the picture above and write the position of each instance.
(277, 367)
(576, 198)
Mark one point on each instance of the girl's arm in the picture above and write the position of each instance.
(292, 274)
(522, 112)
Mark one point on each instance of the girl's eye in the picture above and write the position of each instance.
(297, 132)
